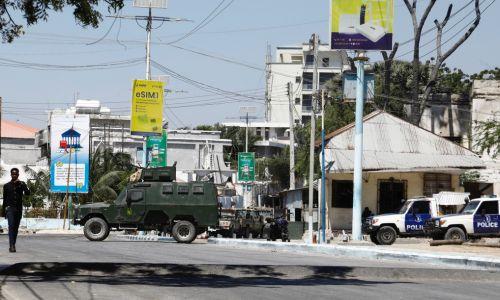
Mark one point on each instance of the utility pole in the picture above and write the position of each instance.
(292, 136)
(323, 171)
(66, 206)
(314, 44)
(0, 129)
(148, 45)
(246, 134)
(269, 84)
(358, 147)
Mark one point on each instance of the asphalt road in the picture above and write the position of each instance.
(70, 267)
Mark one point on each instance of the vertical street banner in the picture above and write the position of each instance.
(157, 150)
(69, 153)
(246, 166)
(147, 108)
(361, 24)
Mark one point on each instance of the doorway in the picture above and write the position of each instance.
(390, 194)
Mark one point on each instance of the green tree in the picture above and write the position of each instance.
(15, 14)
(275, 169)
(488, 137)
(108, 174)
(493, 74)
(39, 186)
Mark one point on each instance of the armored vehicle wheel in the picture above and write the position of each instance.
(184, 232)
(456, 234)
(96, 229)
(386, 235)
(373, 238)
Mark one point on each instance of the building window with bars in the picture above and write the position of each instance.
(436, 182)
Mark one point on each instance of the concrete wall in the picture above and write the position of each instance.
(341, 218)
(19, 151)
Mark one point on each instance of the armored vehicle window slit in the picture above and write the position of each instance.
(167, 189)
(182, 189)
(198, 189)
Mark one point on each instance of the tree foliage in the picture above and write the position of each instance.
(15, 14)
(39, 186)
(488, 137)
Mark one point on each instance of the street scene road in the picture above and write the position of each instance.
(71, 267)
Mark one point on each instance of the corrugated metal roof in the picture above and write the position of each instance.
(390, 143)
(451, 198)
(15, 130)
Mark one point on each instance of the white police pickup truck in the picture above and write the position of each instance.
(410, 220)
(480, 218)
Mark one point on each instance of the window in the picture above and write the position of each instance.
(342, 193)
(421, 207)
(325, 62)
(135, 196)
(182, 189)
(298, 79)
(168, 189)
(297, 101)
(266, 135)
(198, 189)
(309, 60)
(307, 81)
(258, 131)
(296, 59)
(488, 208)
(435, 183)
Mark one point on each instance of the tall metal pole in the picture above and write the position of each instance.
(313, 131)
(358, 148)
(148, 46)
(323, 170)
(292, 137)
(246, 135)
(0, 129)
(148, 77)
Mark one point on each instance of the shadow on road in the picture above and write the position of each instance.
(211, 276)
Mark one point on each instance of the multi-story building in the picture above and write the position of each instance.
(293, 65)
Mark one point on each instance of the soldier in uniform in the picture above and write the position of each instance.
(12, 208)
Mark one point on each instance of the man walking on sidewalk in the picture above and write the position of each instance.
(12, 209)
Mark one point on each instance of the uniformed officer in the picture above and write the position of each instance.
(12, 209)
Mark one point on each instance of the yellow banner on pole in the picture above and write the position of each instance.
(147, 108)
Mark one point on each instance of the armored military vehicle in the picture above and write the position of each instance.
(154, 202)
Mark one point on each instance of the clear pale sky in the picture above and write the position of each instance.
(240, 33)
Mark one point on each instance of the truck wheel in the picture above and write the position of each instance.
(386, 235)
(184, 232)
(456, 234)
(96, 229)
(373, 238)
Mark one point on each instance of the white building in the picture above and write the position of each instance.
(293, 65)
(198, 153)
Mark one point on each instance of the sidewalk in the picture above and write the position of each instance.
(458, 256)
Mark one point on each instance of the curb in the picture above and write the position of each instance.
(146, 238)
(487, 263)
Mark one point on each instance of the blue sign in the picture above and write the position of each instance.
(486, 223)
(69, 157)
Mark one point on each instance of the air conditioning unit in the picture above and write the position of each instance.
(151, 3)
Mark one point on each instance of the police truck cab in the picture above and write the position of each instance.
(409, 221)
(480, 218)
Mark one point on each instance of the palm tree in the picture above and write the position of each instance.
(39, 186)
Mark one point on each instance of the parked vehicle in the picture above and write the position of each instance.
(276, 228)
(227, 220)
(156, 202)
(250, 221)
(410, 220)
(480, 218)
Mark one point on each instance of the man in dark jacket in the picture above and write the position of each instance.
(12, 209)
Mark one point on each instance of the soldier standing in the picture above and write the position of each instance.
(12, 209)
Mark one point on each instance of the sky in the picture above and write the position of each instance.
(221, 64)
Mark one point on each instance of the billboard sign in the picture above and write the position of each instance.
(147, 108)
(69, 153)
(157, 150)
(246, 166)
(362, 24)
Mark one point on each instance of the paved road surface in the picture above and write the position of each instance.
(70, 267)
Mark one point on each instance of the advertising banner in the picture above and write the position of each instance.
(157, 150)
(246, 166)
(362, 24)
(69, 153)
(147, 108)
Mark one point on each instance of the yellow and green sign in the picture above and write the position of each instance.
(147, 108)
(362, 24)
